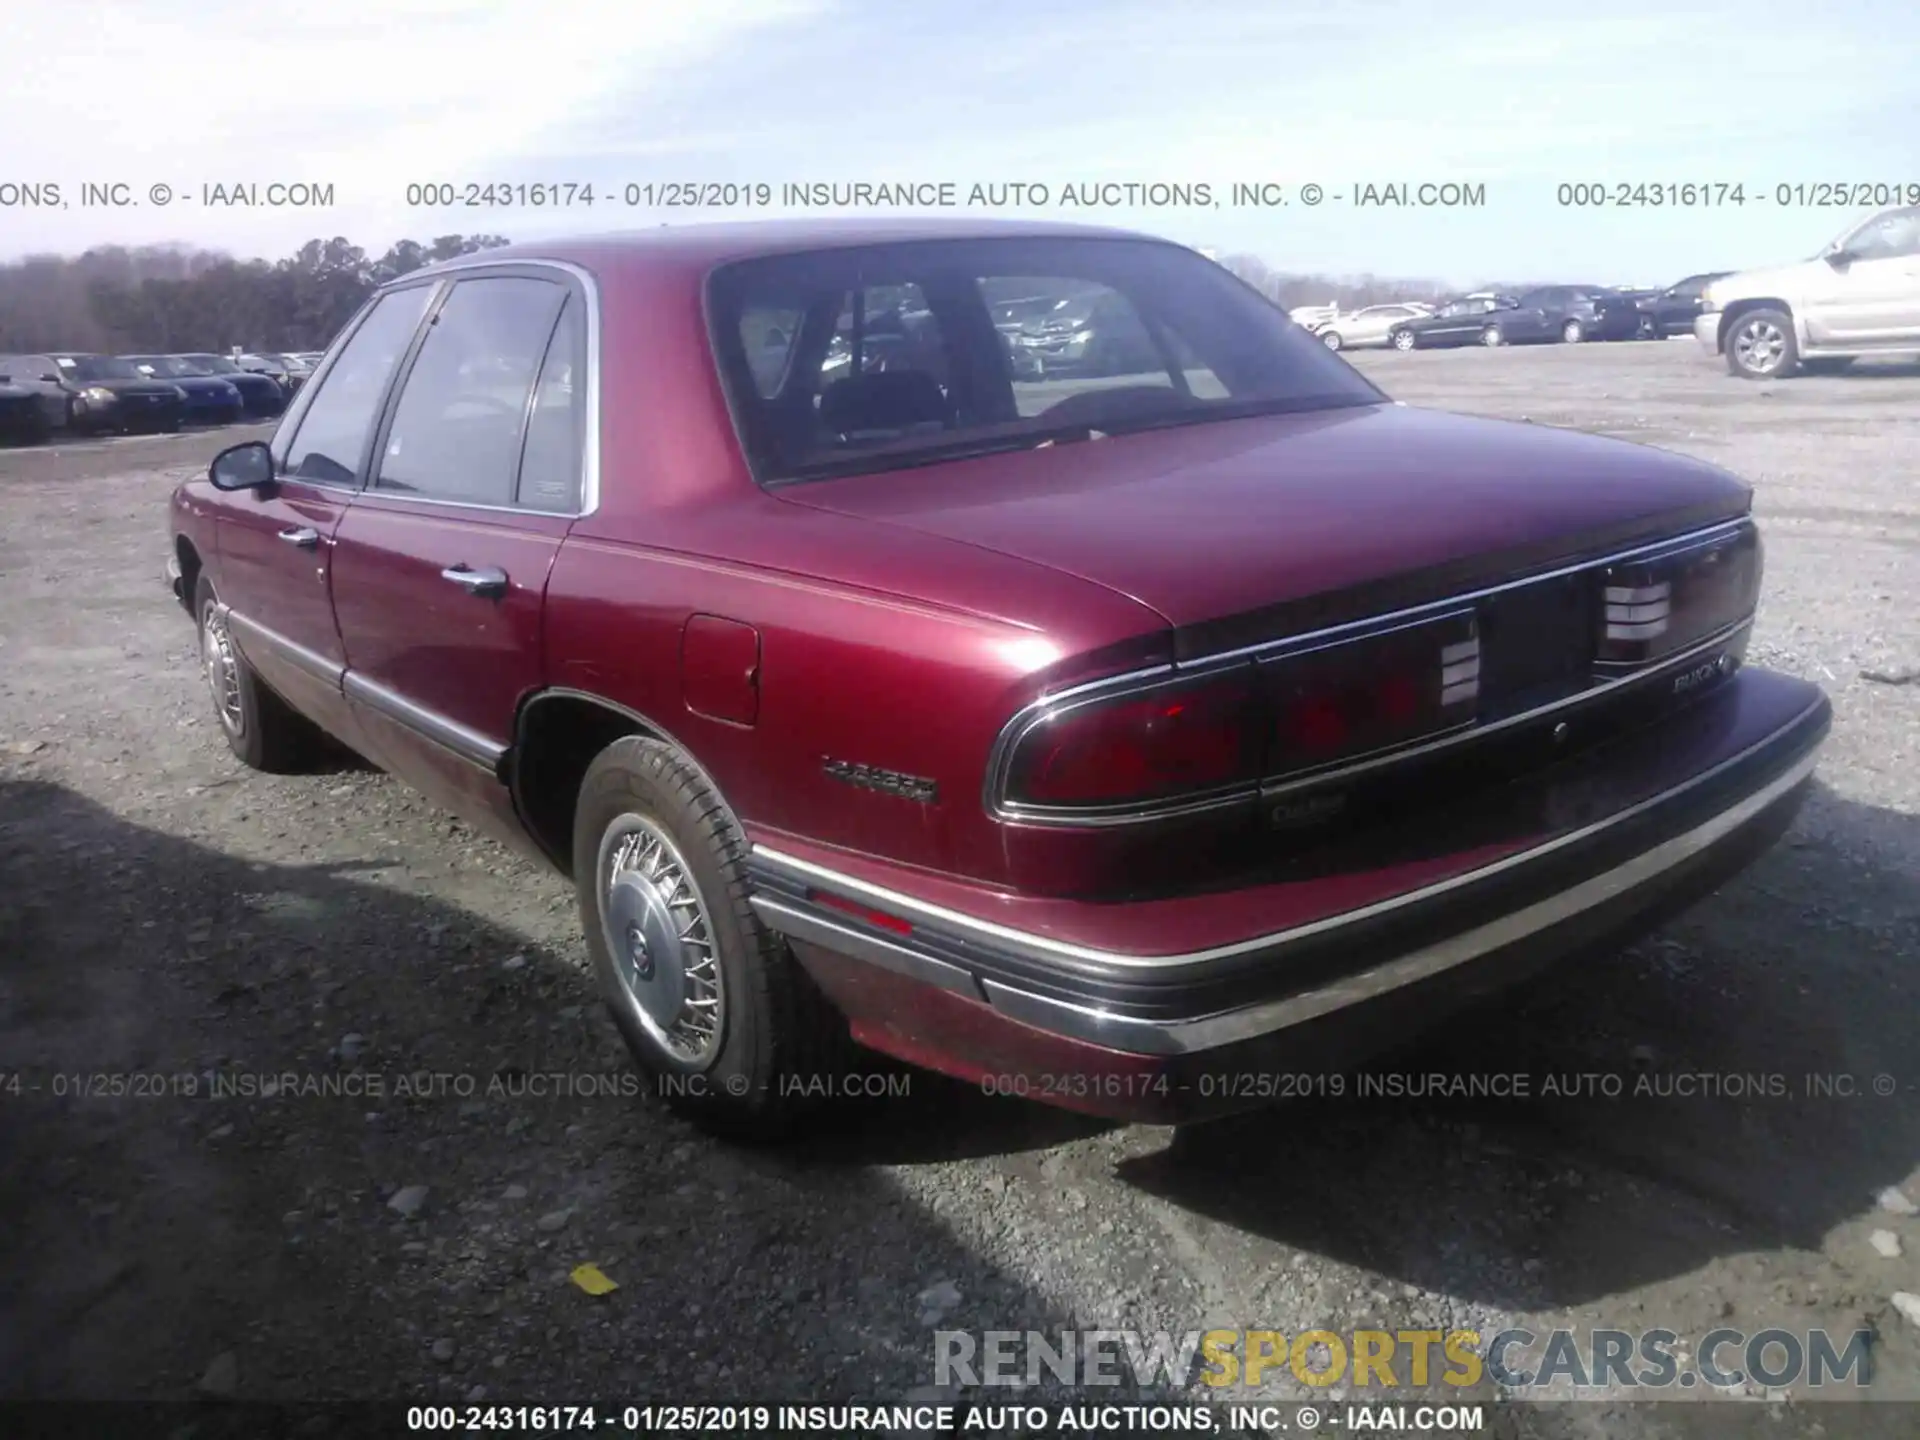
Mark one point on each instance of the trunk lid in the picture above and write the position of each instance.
(1243, 530)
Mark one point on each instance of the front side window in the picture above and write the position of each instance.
(1895, 233)
(458, 427)
(339, 419)
(913, 353)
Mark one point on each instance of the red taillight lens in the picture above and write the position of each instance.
(1373, 693)
(1181, 736)
(1660, 605)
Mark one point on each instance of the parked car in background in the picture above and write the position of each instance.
(1145, 736)
(1093, 333)
(1672, 311)
(274, 368)
(1467, 320)
(211, 399)
(262, 395)
(1860, 296)
(94, 394)
(298, 366)
(1570, 314)
(22, 416)
(1369, 326)
(1312, 317)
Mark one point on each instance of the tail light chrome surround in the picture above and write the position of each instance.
(1658, 607)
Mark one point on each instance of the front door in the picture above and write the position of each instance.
(440, 568)
(275, 545)
(1872, 298)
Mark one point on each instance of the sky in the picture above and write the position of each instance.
(360, 100)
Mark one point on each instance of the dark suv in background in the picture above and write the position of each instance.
(1673, 310)
(1571, 314)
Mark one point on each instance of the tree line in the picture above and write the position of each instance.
(170, 298)
(1350, 292)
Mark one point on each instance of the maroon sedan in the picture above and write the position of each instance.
(1123, 740)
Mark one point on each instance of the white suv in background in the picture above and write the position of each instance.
(1859, 296)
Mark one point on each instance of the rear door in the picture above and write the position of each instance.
(274, 546)
(440, 568)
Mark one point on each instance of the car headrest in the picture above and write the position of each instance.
(884, 400)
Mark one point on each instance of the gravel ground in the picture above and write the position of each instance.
(168, 916)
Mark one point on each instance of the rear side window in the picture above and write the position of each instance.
(550, 461)
(462, 415)
(332, 434)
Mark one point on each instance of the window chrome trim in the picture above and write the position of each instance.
(1144, 681)
(1044, 949)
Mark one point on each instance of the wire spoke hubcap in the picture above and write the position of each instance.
(657, 930)
(223, 669)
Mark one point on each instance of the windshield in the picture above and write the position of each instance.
(893, 357)
(168, 366)
(97, 367)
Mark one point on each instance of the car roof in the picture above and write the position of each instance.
(705, 246)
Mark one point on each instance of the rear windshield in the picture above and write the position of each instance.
(845, 361)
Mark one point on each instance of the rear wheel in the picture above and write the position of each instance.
(1403, 340)
(260, 728)
(1492, 336)
(1760, 346)
(1573, 332)
(712, 1004)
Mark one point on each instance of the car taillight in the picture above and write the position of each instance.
(1179, 736)
(1661, 604)
(1376, 692)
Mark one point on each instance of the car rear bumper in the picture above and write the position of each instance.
(1706, 329)
(1168, 1037)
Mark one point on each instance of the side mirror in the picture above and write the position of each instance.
(1839, 257)
(51, 378)
(247, 466)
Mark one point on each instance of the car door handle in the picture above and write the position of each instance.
(488, 580)
(303, 536)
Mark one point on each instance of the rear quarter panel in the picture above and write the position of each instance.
(878, 648)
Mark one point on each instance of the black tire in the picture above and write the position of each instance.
(1745, 352)
(1492, 337)
(776, 1031)
(1572, 332)
(262, 730)
(1649, 329)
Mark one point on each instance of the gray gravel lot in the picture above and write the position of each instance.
(169, 917)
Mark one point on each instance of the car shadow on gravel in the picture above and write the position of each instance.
(1744, 1080)
(293, 1132)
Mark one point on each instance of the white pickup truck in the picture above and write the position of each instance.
(1860, 296)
